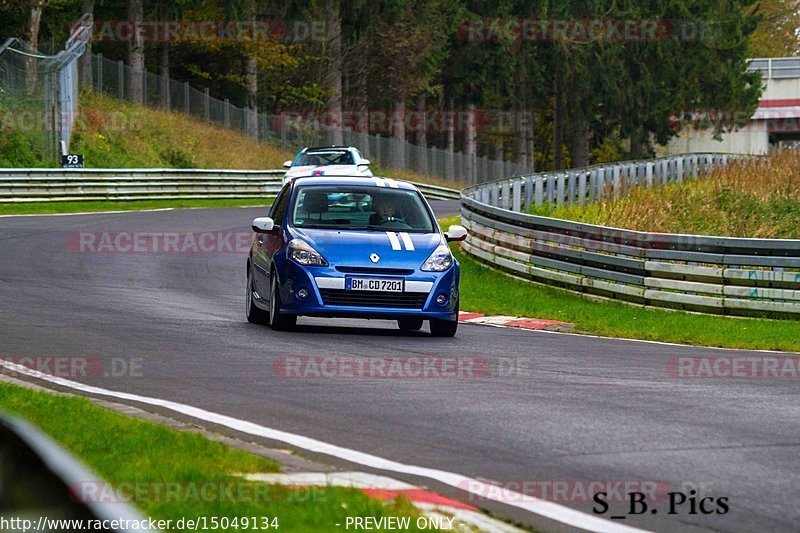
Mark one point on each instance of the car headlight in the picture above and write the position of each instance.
(439, 261)
(301, 252)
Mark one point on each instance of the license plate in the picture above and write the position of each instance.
(375, 284)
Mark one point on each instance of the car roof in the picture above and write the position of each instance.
(360, 181)
(325, 148)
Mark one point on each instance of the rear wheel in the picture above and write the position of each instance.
(410, 324)
(254, 314)
(278, 321)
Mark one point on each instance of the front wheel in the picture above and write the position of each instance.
(278, 321)
(445, 328)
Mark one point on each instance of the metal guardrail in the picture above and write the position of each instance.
(41, 480)
(775, 68)
(51, 185)
(709, 274)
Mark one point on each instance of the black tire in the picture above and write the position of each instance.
(254, 314)
(410, 324)
(277, 320)
(445, 328)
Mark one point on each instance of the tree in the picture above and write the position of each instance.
(776, 34)
(406, 50)
(136, 52)
(86, 58)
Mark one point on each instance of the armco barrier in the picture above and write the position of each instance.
(709, 274)
(41, 484)
(50, 185)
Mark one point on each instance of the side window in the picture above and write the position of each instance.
(278, 212)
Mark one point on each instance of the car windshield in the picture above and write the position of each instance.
(360, 208)
(325, 157)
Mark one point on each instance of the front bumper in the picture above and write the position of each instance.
(322, 282)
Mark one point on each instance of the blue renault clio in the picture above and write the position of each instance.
(355, 247)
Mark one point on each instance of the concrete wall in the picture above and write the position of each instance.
(782, 89)
(752, 139)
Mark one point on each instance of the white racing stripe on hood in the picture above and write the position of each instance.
(407, 241)
(379, 182)
(394, 240)
(393, 184)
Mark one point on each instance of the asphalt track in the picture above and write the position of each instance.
(578, 409)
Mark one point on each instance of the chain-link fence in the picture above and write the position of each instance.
(39, 93)
(293, 132)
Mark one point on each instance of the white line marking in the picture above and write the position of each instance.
(101, 212)
(359, 480)
(407, 241)
(482, 489)
(153, 210)
(395, 241)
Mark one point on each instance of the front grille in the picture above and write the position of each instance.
(404, 300)
(376, 270)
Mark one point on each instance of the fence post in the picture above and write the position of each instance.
(616, 171)
(538, 196)
(226, 113)
(505, 194)
(582, 188)
(550, 182)
(206, 105)
(120, 79)
(679, 162)
(186, 106)
(648, 170)
(560, 189)
(528, 191)
(571, 187)
(516, 204)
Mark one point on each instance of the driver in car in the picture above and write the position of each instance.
(385, 211)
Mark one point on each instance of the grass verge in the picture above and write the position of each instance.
(26, 208)
(489, 291)
(125, 450)
(756, 198)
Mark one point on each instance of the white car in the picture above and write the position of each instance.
(327, 161)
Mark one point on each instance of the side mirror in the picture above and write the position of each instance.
(263, 225)
(287, 164)
(456, 233)
(364, 163)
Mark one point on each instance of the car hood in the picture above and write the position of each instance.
(328, 170)
(354, 248)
